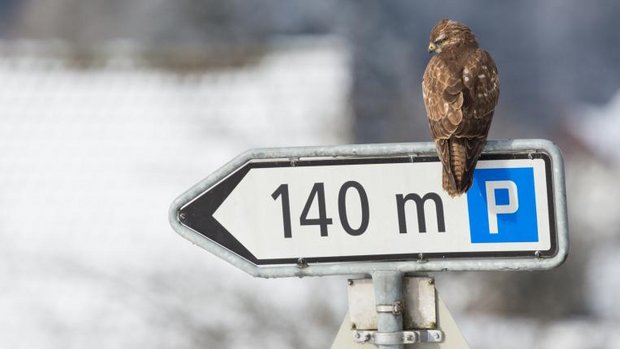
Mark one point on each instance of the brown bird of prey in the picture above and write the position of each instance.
(460, 90)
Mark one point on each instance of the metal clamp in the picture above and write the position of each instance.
(395, 338)
(396, 308)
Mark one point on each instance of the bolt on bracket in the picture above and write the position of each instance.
(396, 308)
(401, 337)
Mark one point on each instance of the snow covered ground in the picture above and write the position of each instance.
(90, 160)
(598, 127)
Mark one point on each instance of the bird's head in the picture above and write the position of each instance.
(448, 33)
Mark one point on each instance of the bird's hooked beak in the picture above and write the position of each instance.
(432, 47)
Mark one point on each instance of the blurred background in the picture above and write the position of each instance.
(111, 108)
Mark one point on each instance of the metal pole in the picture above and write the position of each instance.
(388, 287)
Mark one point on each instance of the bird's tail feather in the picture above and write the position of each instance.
(457, 179)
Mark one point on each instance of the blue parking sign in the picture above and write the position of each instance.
(502, 206)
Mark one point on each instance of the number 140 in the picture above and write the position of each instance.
(318, 194)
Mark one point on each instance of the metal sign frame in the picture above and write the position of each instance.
(360, 151)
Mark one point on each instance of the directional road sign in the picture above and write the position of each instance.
(360, 208)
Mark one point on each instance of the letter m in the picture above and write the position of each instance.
(419, 204)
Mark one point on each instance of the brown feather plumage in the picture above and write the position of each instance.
(460, 90)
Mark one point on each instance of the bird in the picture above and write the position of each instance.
(460, 89)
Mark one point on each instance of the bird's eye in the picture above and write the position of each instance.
(440, 41)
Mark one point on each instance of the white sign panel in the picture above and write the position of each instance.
(272, 211)
(387, 210)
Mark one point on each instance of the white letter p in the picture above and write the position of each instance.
(493, 209)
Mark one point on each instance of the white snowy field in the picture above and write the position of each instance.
(90, 160)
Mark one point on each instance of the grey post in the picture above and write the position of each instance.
(388, 287)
